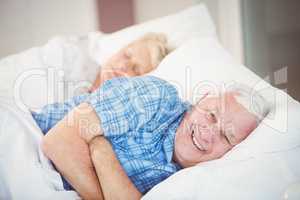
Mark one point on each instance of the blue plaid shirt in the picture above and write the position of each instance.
(139, 117)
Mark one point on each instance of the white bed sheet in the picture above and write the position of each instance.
(25, 173)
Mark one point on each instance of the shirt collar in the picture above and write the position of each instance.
(169, 141)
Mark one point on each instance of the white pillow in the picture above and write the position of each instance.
(192, 22)
(247, 171)
(78, 58)
(266, 177)
(50, 73)
(203, 65)
(203, 61)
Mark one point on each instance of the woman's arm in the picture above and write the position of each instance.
(113, 179)
(108, 72)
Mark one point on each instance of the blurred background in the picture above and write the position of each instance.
(262, 34)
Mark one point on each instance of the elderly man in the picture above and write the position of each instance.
(133, 132)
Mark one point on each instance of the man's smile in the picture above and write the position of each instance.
(195, 142)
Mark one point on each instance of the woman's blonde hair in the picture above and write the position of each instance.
(158, 51)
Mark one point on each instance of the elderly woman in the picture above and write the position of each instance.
(131, 133)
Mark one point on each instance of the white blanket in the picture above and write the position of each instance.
(25, 172)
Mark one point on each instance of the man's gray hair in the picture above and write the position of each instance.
(254, 102)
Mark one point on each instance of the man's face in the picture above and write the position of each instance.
(211, 129)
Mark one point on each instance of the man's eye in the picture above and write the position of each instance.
(230, 138)
(212, 117)
(227, 139)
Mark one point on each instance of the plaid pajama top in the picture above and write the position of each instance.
(139, 116)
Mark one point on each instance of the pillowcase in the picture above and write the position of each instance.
(265, 177)
(203, 65)
(203, 61)
(51, 73)
(180, 27)
(247, 171)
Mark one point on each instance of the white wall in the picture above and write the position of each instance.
(225, 13)
(230, 28)
(146, 10)
(27, 23)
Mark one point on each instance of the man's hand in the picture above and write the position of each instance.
(114, 182)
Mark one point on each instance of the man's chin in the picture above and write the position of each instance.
(187, 161)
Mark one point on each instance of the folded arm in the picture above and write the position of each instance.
(93, 170)
(70, 153)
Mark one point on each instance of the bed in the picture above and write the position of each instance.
(264, 166)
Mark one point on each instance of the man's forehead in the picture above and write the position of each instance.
(220, 100)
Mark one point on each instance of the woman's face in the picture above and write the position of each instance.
(139, 57)
(211, 129)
